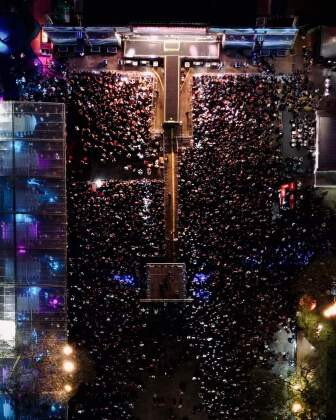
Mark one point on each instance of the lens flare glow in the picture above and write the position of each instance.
(330, 311)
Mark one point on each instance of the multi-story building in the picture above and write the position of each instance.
(32, 227)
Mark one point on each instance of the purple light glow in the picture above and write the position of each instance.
(22, 250)
(43, 163)
(55, 302)
(33, 233)
(4, 231)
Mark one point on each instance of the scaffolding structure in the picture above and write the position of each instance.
(32, 225)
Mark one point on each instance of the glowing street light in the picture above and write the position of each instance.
(67, 350)
(297, 407)
(67, 388)
(68, 366)
(330, 311)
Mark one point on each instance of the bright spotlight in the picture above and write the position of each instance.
(67, 350)
(68, 366)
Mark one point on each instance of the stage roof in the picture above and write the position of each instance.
(273, 38)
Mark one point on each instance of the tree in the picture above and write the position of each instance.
(317, 280)
(269, 393)
(37, 378)
(318, 372)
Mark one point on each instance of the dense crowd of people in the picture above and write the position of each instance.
(108, 117)
(303, 132)
(229, 231)
(231, 228)
(114, 227)
(240, 248)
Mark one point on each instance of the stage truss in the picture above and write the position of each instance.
(166, 282)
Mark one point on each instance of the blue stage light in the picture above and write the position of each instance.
(18, 146)
(4, 48)
(199, 281)
(125, 279)
(34, 291)
(200, 278)
(202, 294)
(53, 264)
(33, 181)
(23, 218)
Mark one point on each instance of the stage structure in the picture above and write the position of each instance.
(166, 282)
(172, 44)
(325, 158)
(32, 226)
(153, 41)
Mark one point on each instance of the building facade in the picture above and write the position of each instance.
(32, 227)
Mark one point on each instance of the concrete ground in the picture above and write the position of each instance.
(304, 349)
(158, 100)
(330, 197)
(282, 366)
(186, 104)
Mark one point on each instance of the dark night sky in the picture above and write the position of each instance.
(224, 12)
(221, 12)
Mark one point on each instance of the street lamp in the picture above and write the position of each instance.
(68, 366)
(67, 350)
(297, 407)
(67, 388)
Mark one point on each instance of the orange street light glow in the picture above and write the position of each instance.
(330, 311)
(67, 388)
(68, 366)
(297, 407)
(67, 350)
